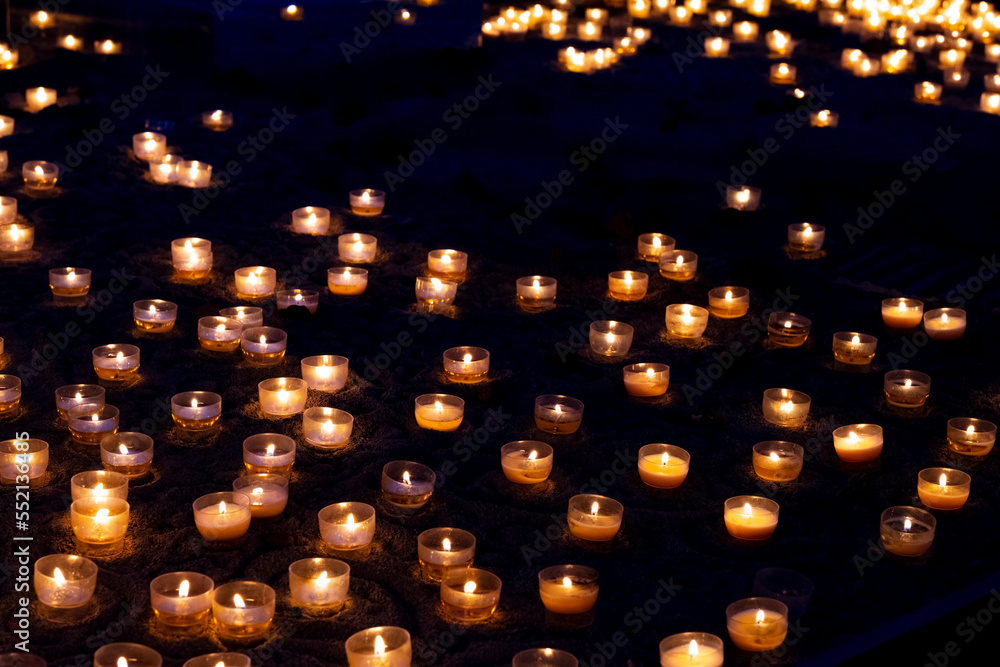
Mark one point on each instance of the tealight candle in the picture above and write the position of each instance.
(194, 174)
(192, 258)
(544, 657)
(638, 8)
(866, 67)
(824, 118)
(758, 7)
(367, 202)
(122, 654)
(717, 47)
(326, 372)
(449, 264)
(222, 517)
(610, 339)
(728, 302)
(328, 428)
(264, 346)
(907, 389)
(751, 517)
(64, 581)
(17, 237)
(6, 126)
(568, 589)
(742, 198)
(69, 282)
(783, 74)
(107, 47)
(851, 347)
(219, 334)
(469, 595)
(943, 488)
(243, 610)
(896, 61)
(181, 600)
(951, 58)
(99, 521)
(466, 364)
(434, 294)
(217, 120)
(405, 17)
(680, 15)
(943, 324)
(8, 209)
(902, 313)
(255, 282)
(303, 298)
(319, 585)
(116, 362)
(442, 549)
(558, 414)
(779, 43)
(788, 329)
(384, 646)
(686, 321)
(23, 461)
(163, 169)
(786, 407)
(627, 285)
(745, 31)
(777, 460)
(526, 461)
(248, 316)
(10, 393)
(806, 237)
(154, 315)
(89, 423)
(972, 437)
(269, 453)
(128, 453)
(99, 484)
(71, 43)
(196, 411)
(691, 649)
(663, 466)
(407, 485)
(356, 247)
(311, 220)
(439, 412)
(40, 175)
(757, 624)
(594, 518)
(282, 397)
(292, 13)
(267, 491)
(589, 31)
(553, 30)
(990, 103)
(857, 443)
(651, 246)
(992, 83)
(347, 526)
(907, 531)
(646, 379)
(536, 293)
(149, 145)
(347, 280)
(37, 99)
(678, 265)
(720, 17)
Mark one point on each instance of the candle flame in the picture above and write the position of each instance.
(446, 544)
(535, 283)
(270, 450)
(446, 258)
(222, 507)
(79, 396)
(970, 430)
(467, 359)
(908, 383)
(291, 9)
(238, 601)
(533, 455)
(907, 525)
(747, 509)
(152, 310)
(119, 356)
(102, 514)
(365, 197)
(406, 477)
(58, 576)
(650, 373)
(943, 481)
(853, 438)
(665, 459)
(327, 428)
(108, 45)
(257, 491)
(347, 274)
(263, 340)
(194, 402)
(183, 589)
(774, 457)
(788, 324)
(656, 242)
(220, 328)
(787, 406)
(217, 115)
(729, 295)
(693, 649)
(379, 645)
(944, 318)
(123, 449)
(470, 587)
(99, 490)
(679, 261)
(567, 582)
(594, 508)
(856, 340)
(557, 409)
(187, 246)
(39, 171)
(41, 96)
(350, 521)
(122, 662)
(95, 417)
(438, 406)
(760, 616)
(609, 337)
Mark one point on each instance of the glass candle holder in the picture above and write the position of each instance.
(558, 414)
(39, 175)
(263, 346)
(646, 379)
(536, 293)
(466, 364)
(610, 339)
(907, 389)
(269, 453)
(6, 126)
(678, 265)
(255, 282)
(434, 294)
(407, 485)
(989, 103)
(283, 397)
(907, 531)
(824, 118)
(116, 362)
(248, 316)
(544, 657)
(786, 407)
(442, 549)
(347, 281)
(219, 334)
(778, 460)
(268, 493)
(788, 329)
(943, 488)
(128, 453)
(757, 624)
(305, 298)
(729, 302)
(328, 428)
(902, 313)
(743, 198)
(526, 461)
(191, 258)
(347, 526)
(326, 372)
(751, 517)
(23, 461)
(356, 247)
(627, 285)
(89, 422)
(469, 595)
(8, 209)
(213, 660)
(594, 518)
(149, 145)
(779, 43)
(222, 517)
(120, 654)
(99, 521)
(972, 437)
(217, 120)
(716, 47)
(926, 92)
(568, 589)
(651, 246)
(10, 393)
(194, 174)
(367, 202)
(243, 610)
(688, 649)
(181, 600)
(806, 237)
(384, 646)
(196, 410)
(783, 74)
(663, 466)
(69, 282)
(686, 321)
(99, 484)
(447, 264)
(745, 31)
(108, 47)
(154, 315)
(311, 220)
(17, 237)
(319, 585)
(943, 324)
(851, 347)
(439, 412)
(857, 443)
(163, 169)
(64, 581)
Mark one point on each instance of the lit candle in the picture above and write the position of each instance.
(267, 491)
(627, 285)
(759, 7)
(6, 126)
(248, 316)
(195, 411)
(439, 412)
(757, 624)
(347, 526)
(610, 339)
(856, 349)
(219, 334)
(8, 209)
(729, 302)
(217, 120)
(639, 8)
(469, 595)
(526, 461)
(99, 484)
(788, 329)
(116, 362)
(720, 17)
(39, 175)
(943, 324)
(568, 589)
(865, 67)
(182, 600)
(824, 118)
(23, 461)
(64, 581)
(107, 47)
(553, 30)
(99, 521)
(943, 488)
(466, 364)
(442, 549)
(405, 17)
(292, 13)
(589, 31)
(41, 19)
(745, 31)
(646, 379)
(154, 315)
(449, 264)
(691, 649)
(71, 43)
(972, 437)
(857, 443)
(680, 15)
(651, 246)
(717, 47)
(194, 174)
(269, 453)
(663, 466)
(89, 423)
(896, 61)
(347, 281)
(951, 58)
(558, 414)
(263, 346)
(319, 584)
(544, 657)
(384, 646)
(313, 220)
(128, 453)
(69, 282)
(149, 145)
(594, 518)
(192, 258)
(990, 103)
(686, 321)
(777, 460)
(907, 389)
(222, 517)
(17, 237)
(907, 531)
(784, 74)
(536, 293)
(326, 372)
(328, 428)
(10, 393)
(39, 98)
(434, 294)
(806, 237)
(407, 485)
(678, 265)
(367, 202)
(255, 282)
(282, 397)
(779, 43)
(243, 610)
(357, 247)
(902, 313)
(786, 407)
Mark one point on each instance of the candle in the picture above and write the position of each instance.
(610, 339)
(347, 526)
(442, 549)
(568, 589)
(589, 31)
(851, 347)
(992, 53)
(192, 258)
(107, 47)
(217, 120)
(255, 282)
(405, 17)
(248, 316)
(639, 8)
(691, 649)
(558, 414)
(71, 43)
(896, 61)
(195, 411)
(678, 265)
(857, 443)
(806, 237)
(6, 126)
(951, 58)
(124, 654)
(663, 466)
(99, 484)
(89, 423)
(38, 98)
(243, 610)
(777, 460)
(128, 453)
(367, 202)
(824, 118)
(627, 285)
(991, 82)
(219, 334)
(328, 428)
(786, 407)
(990, 103)
(407, 485)
(17, 237)
(439, 412)
(757, 624)
(264, 346)
(325, 372)
(717, 47)
(302, 298)
(686, 321)
(149, 145)
(154, 315)
(450, 264)
(292, 13)
(10, 393)
(466, 364)
(943, 488)
(39, 175)
(194, 174)
(728, 302)
(759, 7)
(902, 313)
(99, 521)
(680, 15)
(907, 531)
(116, 362)
(282, 397)
(972, 437)
(651, 246)
(347, 281)
(536, 293)
(181, 600)
(526, 461)
(594, 518)
(8, 209)
(907, 389)
(163, 168)
(64, 581)
(41, 20)
(267, 491)
(943, 324)
(384, 646)
(646, 379)
(544, 657)
(720, 17)
(269, 453)
(553, 30)
(745, 31)
(434, 294)
(222, 517)
(788, 329)
(69, 282)
(313, 220)
(469, 595)
(779, 43)
(751, 517)
(865, 67)
(783, 74)
(23, 461)
(955, 78)
(219, 660)
(356, 247)
(319, 585)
